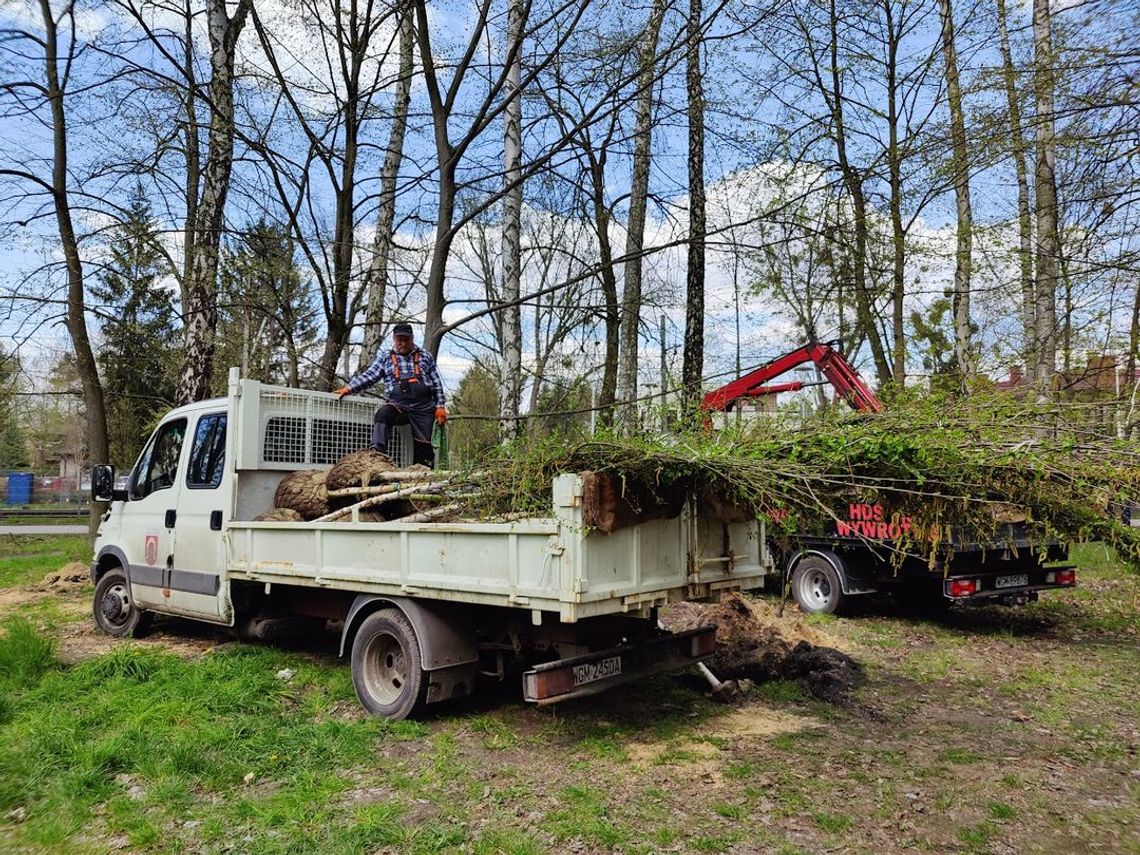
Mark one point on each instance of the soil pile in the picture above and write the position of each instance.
(69, 577)
(753, 643)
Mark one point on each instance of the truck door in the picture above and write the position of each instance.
(196, 574)
(152, 512)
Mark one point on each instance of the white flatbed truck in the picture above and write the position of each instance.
(426, 608)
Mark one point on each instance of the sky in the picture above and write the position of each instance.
(730, 169)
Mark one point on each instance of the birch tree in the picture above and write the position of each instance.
(1048, 249)
(1018, 150)
(511, 376)
(201, 307)
(960, 167)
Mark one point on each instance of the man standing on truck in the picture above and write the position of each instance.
(414, 391)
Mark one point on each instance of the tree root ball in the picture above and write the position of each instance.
(305, 492)
(279, 515)
(358, 469)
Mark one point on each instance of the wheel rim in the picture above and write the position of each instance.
(386, 674)
(115, 606)
(815, 588)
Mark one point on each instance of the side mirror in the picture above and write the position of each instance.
(103, 483)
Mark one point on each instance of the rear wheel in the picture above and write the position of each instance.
(387, 666)
(816, 586)
(114, 607)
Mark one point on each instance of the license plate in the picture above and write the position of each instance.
(1018, 581)
(591, 672)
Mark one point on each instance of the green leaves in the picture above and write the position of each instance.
(963, 464)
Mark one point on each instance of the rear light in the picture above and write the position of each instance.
(1065, 577)
(962, 587)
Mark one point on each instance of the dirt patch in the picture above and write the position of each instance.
(10, 598)
(80, 641)
(759, 721)
(756, 644)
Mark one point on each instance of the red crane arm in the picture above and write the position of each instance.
(831, 363)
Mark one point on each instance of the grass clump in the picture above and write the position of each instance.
(25, 655)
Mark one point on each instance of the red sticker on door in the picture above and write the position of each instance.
(151, 549)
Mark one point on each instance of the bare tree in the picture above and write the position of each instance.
(58, 49)
(960, 166)
(201, 307)
(692, 369)
(376, 280)
(635, 227)
(1048, 240)
(334, 141)
(1018, 149)
(511, 376)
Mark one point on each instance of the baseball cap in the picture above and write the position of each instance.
(402, 329)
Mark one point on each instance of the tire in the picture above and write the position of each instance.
(816, 587)
(114, 608)
(387, 669)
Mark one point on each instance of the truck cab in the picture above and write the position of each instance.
(165, 531)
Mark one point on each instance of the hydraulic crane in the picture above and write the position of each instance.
(827, 358)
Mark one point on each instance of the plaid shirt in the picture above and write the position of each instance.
(381, 369)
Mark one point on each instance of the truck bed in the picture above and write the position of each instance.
(550, 564)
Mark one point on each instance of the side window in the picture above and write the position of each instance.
(208, 453)
(157, 468)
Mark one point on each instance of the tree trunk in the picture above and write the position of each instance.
(98, 447)
(201, 313)
(963, 263)
(1048, 242)
(1125, 413)
(510, 387)
(853, 181)
(193, 159)
(354, 44)
(898, 233)
(635, 234)
(1024, 220)
(692, 369)
(607, 394)
(377, 278)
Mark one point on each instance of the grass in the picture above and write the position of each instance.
(27, 558)
(155, 738)
(140, 750)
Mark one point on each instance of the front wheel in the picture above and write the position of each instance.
(114, 607)
(816, 587)
(387, 667)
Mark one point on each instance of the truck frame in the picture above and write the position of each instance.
(425, 609)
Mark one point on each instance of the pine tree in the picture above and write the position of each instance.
(13, 442)
(141, 339)
(268, 320)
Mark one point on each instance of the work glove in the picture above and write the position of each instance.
(441, 415)
(342, 391)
